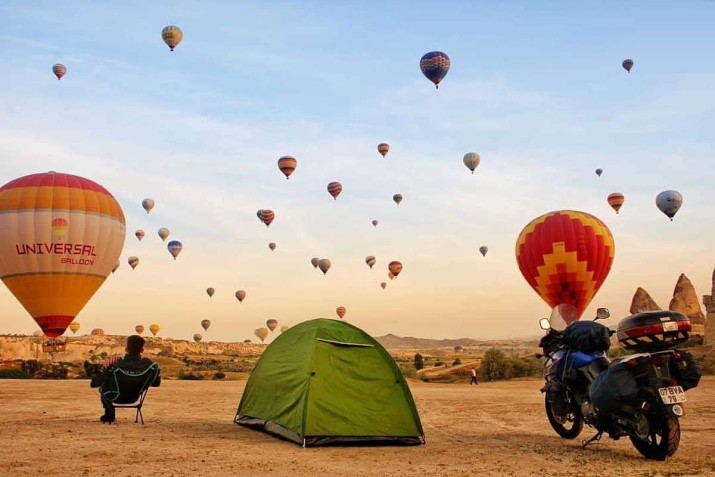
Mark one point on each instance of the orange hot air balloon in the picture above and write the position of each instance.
(616, 200)
(172, 36)
(395, 267)
(334, 189)
(340, 311)
(287, 165)
(383, 148)
(61, 236)
(154, 329)
(139, 329)
(565, 256)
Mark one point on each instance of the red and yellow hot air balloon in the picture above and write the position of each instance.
(616, 200)
(61, 236)
(287, 165)
(565, 256)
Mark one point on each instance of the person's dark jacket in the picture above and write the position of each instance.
(133, 363)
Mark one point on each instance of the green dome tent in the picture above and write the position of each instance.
(325, 381)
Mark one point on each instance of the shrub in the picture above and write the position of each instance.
(31, 367)
(219, 375)
(437, 364)
(456, 362)
(189, 376)
(419, 362)
(13, 373)
(495, 366)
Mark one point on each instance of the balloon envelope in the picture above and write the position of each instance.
(397, 198)
(287, 165)
(565, 256)
(174, 248)
(324, 265)
(116, 265)
(599, 171)
(471, 160)
(154, 329)
(669, 202)
(334, 189)
(97, 332)
(262, 333)
(139, 329)
(284, 328)
(133, 262)
(383, 148)
(374, 223)
(240, 295)
(483, 250)
(59, 70)
(314, 261)
(163, 233)
(74, 327)
(172, 36)
(148, 204)
(61, 236)
(198, 337)
(266, 216)
(340, 311)
(272, 245)
(370, 260)
(210, 292)
(615, 200)
(627, 64)
(272, 324)
(395, 268)
(383, 285)
(205, 324)
(139, 234)
(435, 65)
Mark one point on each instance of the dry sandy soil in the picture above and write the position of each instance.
(51, 428)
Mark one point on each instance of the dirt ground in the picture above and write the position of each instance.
(51, 428)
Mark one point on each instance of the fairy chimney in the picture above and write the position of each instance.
(642, 301)
(685, 301)
(709, 302)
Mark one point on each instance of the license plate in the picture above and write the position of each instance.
(672, 394)
(670, 326)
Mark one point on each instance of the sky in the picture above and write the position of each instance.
(537, 90)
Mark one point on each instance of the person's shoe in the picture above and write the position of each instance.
(106, 419)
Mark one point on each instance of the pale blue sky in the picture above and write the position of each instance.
(538, 91)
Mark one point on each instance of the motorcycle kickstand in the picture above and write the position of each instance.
(595, 438)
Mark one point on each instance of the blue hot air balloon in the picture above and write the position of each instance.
(174, 248)
(434, 66)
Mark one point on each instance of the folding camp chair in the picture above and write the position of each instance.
(128, 389)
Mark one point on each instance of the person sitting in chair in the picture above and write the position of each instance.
(132, 364)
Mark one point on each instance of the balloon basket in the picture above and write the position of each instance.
(54, 346)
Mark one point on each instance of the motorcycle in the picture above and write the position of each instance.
(639, 396)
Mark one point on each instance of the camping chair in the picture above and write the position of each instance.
(128, 389)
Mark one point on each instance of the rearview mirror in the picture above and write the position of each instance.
(544, 324)
(602, 313)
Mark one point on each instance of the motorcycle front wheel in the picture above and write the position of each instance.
(569, 424)
(663, 437)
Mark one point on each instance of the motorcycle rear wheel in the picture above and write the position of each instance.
(663, 437)
(568, 426)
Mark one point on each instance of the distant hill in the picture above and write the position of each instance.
(391, 341)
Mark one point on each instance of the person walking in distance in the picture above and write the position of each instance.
(473, 372)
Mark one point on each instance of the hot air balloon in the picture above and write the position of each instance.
(139, 329)
(240, 295)
(471, 160)
(148, 204)
(133, 262)
(116, 265)
(383, 285)
(284, 328)
(599, 171)
(59, 70)
(287, 165)
(74, 327)
(172, 36)
(395, 267)
(374, 223)
(205, 324)
(627, 64)
(262, 333)
(210, 292)
(272, 324)
(324, 265)
(370, 260)
(616, 200)
(434, 66)
(266, 216)
(314, 261)
(61, 236)
(154, 329)
(669, 201)
(139, 234)
(198, 338)
(397, 198)
(334, 189)
(272, 246)
(483, 250)
(38, 334)
(340, 311)
(383, 148)
(174, 248)
(97, 332)
(390, 276)
(163, 233)
(565, 256)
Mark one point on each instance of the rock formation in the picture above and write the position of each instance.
(642, 301)
(709, 302)
(685, 301)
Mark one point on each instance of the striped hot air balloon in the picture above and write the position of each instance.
(266, 216)
(565, 256)
(383, 148)
(616, 200)
(370, 260)
(59, 70)
(133, 262)
(53, 267)
(172, 36)
(435, 65)
(334, 189)
(287, 165)
(174, 247)
(97, 332)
